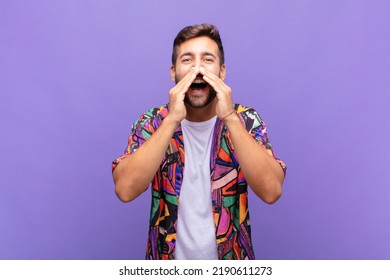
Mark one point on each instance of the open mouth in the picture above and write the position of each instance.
(198, 83)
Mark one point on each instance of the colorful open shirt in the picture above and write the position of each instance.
(228, 186)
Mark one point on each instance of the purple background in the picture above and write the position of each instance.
(74, 75)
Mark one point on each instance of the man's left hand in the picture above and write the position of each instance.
(224, 93)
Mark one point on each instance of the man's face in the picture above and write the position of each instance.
(198, 52)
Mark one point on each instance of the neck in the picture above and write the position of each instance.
(201, 114)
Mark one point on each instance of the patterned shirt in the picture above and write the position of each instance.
(229, 189)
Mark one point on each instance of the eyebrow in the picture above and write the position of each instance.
(203, 54)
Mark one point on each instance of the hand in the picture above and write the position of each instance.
(177, 109)
(224, 93)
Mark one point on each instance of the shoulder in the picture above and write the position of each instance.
(248, 114)
(153, 114)
(157, 112)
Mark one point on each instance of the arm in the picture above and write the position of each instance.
(134, 173)
(262, 172)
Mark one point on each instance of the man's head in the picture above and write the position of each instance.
(194, 31)
(198, 46)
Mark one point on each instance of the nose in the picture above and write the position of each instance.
(198, 62)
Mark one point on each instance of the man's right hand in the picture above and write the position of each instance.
(177, 109)
(133, 174)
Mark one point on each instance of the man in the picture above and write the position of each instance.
(200, 151)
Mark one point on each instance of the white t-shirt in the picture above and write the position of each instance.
(195, 236)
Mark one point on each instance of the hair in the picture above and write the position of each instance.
(194, 31)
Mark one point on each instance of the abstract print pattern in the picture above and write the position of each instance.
(229, 189)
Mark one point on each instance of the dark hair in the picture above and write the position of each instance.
(194, 31)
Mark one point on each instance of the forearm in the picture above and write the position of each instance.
(262, 172)
(133, 174)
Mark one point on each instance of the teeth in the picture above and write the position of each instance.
(198, 82)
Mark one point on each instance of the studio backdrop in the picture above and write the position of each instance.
(75, 75)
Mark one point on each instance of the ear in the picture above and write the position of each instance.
(223, 72)
(173, 73)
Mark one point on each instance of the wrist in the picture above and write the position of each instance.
(230, 115)
(232, 120)
(171, 121)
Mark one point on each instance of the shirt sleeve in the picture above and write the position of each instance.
(141, 131)
(258, 129)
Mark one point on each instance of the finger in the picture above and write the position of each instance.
(208, 74)
(190, 76)
(183, 85)
(218, 85)
(212, 79)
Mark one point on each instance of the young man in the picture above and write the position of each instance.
(200, 151)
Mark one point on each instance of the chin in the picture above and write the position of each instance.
(200, 102)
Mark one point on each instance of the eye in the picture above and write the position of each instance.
(186, 60)
(209, 59)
